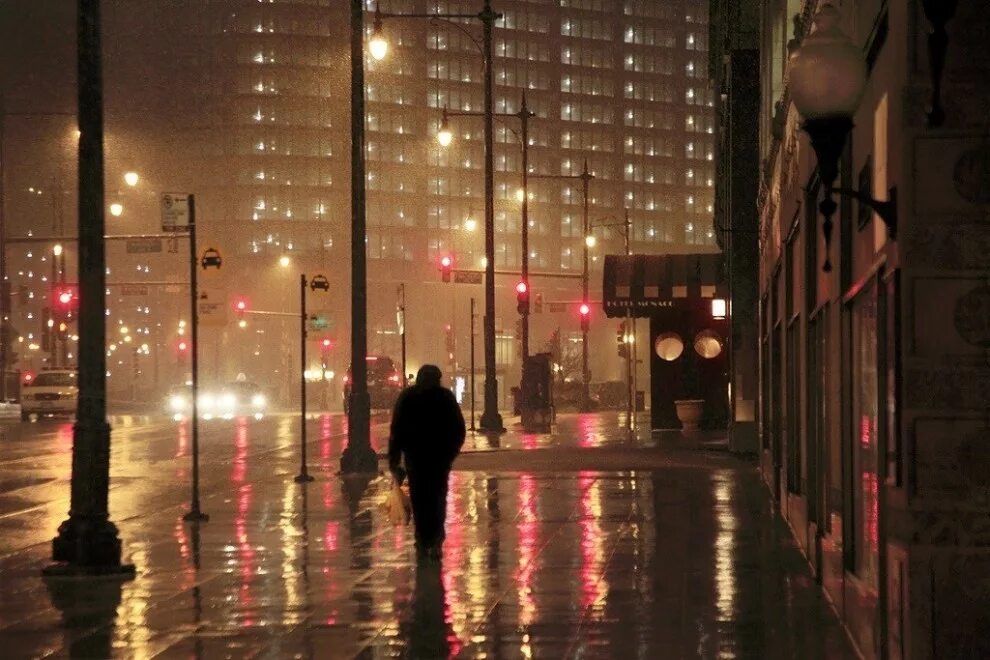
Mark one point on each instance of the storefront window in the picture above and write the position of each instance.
(866, 419)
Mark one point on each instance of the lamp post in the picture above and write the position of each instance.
(827, 80)
(445, 137)
(358, 457)
(491, 420)
(87, 542)
(588, 240)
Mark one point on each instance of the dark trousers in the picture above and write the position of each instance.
(428, 494)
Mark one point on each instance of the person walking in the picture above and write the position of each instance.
(427, 434)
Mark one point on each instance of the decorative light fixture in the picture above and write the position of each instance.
(827, 80)
(718, 308)
(444, 135)
(378, 45)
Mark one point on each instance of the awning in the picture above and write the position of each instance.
(648, 283)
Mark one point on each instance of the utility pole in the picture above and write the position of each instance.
(524, 115)
(303, 476)
(631, 343)
(472, 363)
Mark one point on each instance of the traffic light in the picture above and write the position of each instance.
(446, 266)
(620, 340)
(539, 303)
(47, 323)
(240, 306)
(182, 348)
(522, 298)
(326, 344)
(65, 297)
(585, 312)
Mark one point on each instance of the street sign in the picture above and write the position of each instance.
(319, 321)
(556, 306)
(175, 212)
(467, 277)
(133, 290)
(143, 245)
(211, 306)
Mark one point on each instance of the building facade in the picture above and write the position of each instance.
(874, 378)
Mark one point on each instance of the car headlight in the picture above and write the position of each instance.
(258, 401)
(206, 401)
(177, 403)
(228, 400)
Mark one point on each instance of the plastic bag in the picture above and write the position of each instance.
(399, 508)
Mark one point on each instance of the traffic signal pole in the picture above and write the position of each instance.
(194, 514)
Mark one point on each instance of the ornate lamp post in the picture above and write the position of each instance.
(827, 80)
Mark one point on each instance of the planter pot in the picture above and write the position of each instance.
(689, 412)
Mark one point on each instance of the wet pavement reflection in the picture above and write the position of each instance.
(684, 560)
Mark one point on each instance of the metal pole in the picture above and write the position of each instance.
(87, 541)
(630, 329)
(4, 284)
(524, 115)
(491, 420)
(402, 310)
(358, 457)
(195, 514)
(585, 372)
(303, 476)
(472, 363)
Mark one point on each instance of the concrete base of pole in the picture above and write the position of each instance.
(303, 478)
(491, 420)
(359, 457)
(87, 546)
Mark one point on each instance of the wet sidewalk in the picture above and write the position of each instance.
(677, 558)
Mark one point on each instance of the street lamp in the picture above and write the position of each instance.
(116, 209)
(378, 45)
(284, 261)
(590, 241)
(87, 542)
(131, 178)
(444, 135)
(827, 80)
(491, 420)
(522, 194)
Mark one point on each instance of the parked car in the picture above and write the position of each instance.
(384, 383)
(52, 392)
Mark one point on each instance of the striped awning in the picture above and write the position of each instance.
(648, 283)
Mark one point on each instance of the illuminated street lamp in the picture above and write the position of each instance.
(57, 250)
(445, 136)
(378, 45)
(131, 178)
(590, 241)
(116, 209)
(284, 261)
(470, 224)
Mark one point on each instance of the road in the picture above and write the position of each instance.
(584, 543)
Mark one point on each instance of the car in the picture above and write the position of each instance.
(52, 392)
(384, 382)
(237, 399)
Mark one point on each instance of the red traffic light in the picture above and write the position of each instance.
(182, 346)
(522, 288)
(240, 305)
(326, 343)
(584, 309)
(446, 264)
(65, 296)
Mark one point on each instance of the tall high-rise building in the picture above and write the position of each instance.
(246, 104)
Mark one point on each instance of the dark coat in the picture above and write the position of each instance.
(427, 428)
